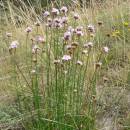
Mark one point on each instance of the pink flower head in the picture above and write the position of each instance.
(64, 9)
(56, 23)
(55, 11)
(40, 39)
(105, 49)
(67, 35)
(71, 29)
(46, 14)
(14, 45)
(28, 29)
(64, 20)
(79, 33)
(66, 58)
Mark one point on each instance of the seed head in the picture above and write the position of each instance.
(105, 79)
(57, 61)
(84, 52)
(98, 65)
(68, 47)
(75, 44)
(108, 34)
(100, 23)
(35, 49)
(37, 23)
(88, 45)
(49, 20)
(92, 35)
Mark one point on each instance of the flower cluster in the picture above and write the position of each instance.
(61, 50)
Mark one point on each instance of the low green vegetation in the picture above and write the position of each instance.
(65, 67)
